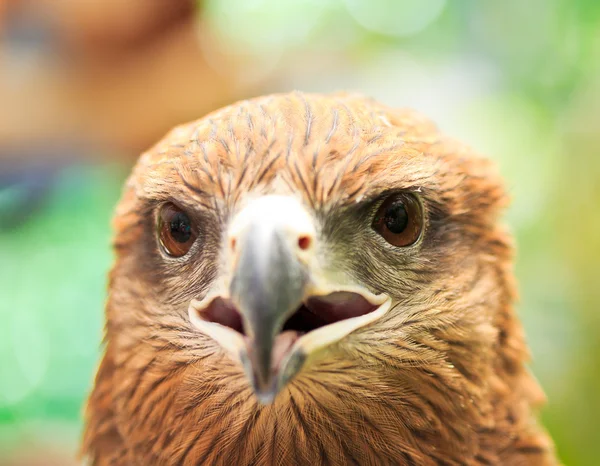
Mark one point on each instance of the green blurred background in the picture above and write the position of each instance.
(85, 86)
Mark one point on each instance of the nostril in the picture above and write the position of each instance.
(304, 242)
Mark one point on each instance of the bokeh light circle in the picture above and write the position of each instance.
(28, 354)
(395, 17)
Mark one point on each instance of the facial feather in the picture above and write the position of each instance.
(441, 379)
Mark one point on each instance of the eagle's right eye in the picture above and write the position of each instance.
(176, 232)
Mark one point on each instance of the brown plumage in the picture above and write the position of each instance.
(440, 378)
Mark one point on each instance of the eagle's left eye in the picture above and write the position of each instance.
(399, 219)
(176, 232)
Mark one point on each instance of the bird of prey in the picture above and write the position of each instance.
(307, 279)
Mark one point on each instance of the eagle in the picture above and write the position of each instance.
(307, 279)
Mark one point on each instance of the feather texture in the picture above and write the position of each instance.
(441, 380)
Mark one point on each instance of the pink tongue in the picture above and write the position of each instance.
(282, 346)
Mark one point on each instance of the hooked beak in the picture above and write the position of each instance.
(276, 309)
(268, 284)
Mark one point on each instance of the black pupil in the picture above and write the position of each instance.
(181, 230)
(396, 218)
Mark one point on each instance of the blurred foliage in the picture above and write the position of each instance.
(518, 80)
(52, 276)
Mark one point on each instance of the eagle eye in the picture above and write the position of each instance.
(399, 219)
(176, 232)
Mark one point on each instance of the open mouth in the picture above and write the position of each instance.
(320, 319)
(316, 312)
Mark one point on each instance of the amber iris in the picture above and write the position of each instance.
(399, 219)
(176, 231)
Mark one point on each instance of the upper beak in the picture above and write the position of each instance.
(272, 252)
(273, 273)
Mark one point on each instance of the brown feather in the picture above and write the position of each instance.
(441, 380)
